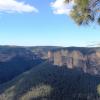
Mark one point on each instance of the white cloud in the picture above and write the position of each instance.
(11, 6)
(59, 7)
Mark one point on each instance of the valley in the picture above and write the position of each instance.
(49, 73)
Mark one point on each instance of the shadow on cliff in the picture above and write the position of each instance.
(58, 83)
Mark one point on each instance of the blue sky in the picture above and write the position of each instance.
(38, 24)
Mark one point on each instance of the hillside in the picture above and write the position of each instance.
(14, 60)
(48, 82)
(49, 73)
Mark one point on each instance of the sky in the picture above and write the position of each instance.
(43, 23)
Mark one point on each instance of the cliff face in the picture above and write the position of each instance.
(87, 59)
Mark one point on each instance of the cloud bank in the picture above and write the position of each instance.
(11, 6)
(59, 7)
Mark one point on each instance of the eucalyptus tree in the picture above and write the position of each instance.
(85, 11)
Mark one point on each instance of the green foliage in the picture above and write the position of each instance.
(98, 89)
(80, 14)
(85, 11)
(48, 82)
(36, 92)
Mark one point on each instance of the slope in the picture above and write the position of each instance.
(48, 82)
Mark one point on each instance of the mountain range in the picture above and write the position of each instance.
(49, 73)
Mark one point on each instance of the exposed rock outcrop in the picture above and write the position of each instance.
(87, 59)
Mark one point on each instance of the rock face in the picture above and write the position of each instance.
(87, 59)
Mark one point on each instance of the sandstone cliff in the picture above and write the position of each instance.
(87, 59)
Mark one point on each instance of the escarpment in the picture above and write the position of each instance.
(87, 59)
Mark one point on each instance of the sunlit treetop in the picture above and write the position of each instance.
(85, 11)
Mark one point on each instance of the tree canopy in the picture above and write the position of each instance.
(85, 11)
